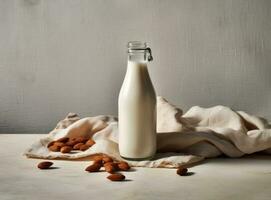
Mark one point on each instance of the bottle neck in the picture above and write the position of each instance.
(140, 57)
(139, 52)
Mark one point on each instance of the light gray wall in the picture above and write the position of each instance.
(59, 56)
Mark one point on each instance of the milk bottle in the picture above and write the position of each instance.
(137, 106)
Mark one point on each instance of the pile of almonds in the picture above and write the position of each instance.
(106, 162)
(109, 166)
(66, 145)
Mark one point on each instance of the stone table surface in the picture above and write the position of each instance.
(218, 179)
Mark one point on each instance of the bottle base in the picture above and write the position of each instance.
(137, 159)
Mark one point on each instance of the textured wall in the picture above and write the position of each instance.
(59, 56)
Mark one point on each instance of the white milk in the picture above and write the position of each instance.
(137, 113)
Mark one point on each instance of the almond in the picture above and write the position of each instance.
(111, 163)
(66, 149)
(63, 139)
(93, 168)
(182, 171)
(60, 144)
(50, 144)
(71, 143)
(107, 159)
(90, 142)
(54, 148)
(97, 158)
(116, 177)
(81, 139)
(110, 168)
(84, 147)
(124, 166)
(100, 162)
(45, 165)
(77, 146)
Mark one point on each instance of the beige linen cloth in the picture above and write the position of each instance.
(182, 138)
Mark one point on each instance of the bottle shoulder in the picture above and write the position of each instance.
(137, 83)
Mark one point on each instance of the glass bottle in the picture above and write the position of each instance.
(137, 106)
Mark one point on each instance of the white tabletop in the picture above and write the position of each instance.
(218, 179)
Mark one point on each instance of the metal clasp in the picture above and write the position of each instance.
(150, 58)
